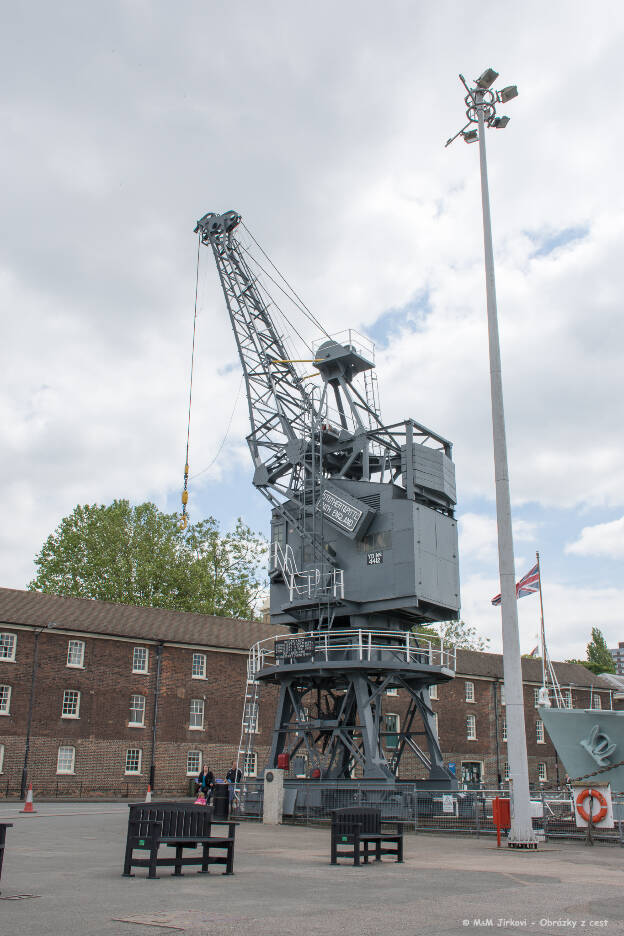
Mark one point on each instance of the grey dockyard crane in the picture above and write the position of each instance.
(363, 541)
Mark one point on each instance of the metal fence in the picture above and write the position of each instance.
(463, 811)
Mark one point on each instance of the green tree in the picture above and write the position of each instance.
(454, 634)
(598, 653)
(599, 660)
(138, 555)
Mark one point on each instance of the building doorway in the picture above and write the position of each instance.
(471, 774)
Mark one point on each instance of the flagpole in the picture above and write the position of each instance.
(542, 631)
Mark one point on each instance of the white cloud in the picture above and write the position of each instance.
(330, 143)
(478, 535)
(603, 539)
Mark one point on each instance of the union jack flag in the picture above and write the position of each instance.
(526, 586)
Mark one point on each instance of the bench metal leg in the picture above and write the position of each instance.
(356, 849)
(334, 850)
(177, 868)
(128, 860)
(400, 850)
(205, 856)
(152, 858)
(229, 868)
(378, 850)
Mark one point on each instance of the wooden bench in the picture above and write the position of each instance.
(3, 827)
(180, 826)
(359, 829)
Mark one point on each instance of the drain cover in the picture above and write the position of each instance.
(20, 897)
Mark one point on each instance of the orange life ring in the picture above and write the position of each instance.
(602, 812)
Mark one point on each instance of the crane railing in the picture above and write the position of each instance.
(307, 584)
(366, 646)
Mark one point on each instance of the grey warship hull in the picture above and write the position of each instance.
(588, 741)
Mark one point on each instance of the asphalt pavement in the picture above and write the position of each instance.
(63, 867)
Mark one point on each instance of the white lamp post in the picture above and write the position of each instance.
(481, 110)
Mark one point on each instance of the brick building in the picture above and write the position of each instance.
(102, 698)
(470, 714)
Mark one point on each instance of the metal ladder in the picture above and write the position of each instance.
(371, 386)
(249, 725)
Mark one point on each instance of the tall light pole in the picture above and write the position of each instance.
(481, 111)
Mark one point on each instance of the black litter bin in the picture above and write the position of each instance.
(221, 801)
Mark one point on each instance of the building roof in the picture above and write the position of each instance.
(615, 681)
(475, 663)
(118, 620)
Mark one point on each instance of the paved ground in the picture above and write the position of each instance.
(70, 856)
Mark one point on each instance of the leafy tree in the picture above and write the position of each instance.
(599, 660)
(598, 653)
(138, 555)
(454, 634)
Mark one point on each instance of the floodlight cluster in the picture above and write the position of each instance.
(482, 100)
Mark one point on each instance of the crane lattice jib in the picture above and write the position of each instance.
(279, 404)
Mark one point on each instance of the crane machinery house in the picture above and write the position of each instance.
(363, 533)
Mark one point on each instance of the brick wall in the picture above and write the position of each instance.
(102, 735)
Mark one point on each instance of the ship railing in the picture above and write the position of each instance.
(357, 645)
(578, 697)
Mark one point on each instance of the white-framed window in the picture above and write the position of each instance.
(433, 691)
(392, 692)
(567, 698)
(471, 728)
(542, 773)
(198, 669)
(193, 763)
(506, 770)
(251, 717)
(539, 731)
(8, 645)
(250, 764)
(435, 724)
(196, 720)
(504, 733)
(392, 723)
(469, 687)
(134, 757)
(137, 710)
(536, 696)
(5, 700)
(71, 704)
(596, 702)
(66, 760)
(1, 758)
(502, 689)
(75, 653)
(140, 660)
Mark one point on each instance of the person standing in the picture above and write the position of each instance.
(205, 782)
(233, 777)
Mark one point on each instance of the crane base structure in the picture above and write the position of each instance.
(364, 553)
(332, 688)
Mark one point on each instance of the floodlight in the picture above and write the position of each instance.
(470, 136)
(499, 123)
(487, 79)
(507, 94)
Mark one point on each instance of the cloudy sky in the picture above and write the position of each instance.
(324, 126)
